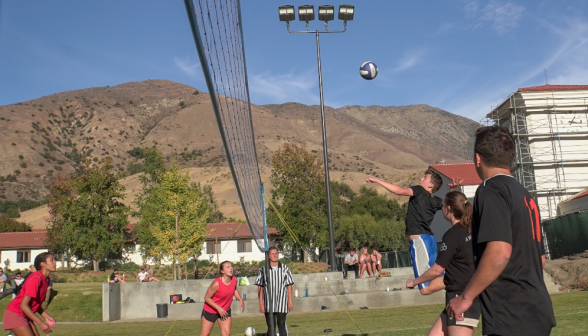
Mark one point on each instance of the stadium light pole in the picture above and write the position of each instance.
(325, 13)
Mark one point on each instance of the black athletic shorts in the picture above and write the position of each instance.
(210, 317)
(471, 316)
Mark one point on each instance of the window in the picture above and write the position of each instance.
(244, 246)
(213, 248)
(23, 256)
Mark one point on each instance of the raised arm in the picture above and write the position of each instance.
(456, 182)
(390, 187)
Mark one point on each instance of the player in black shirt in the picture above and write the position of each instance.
(422, 207)
(456, 259)
(508, 247)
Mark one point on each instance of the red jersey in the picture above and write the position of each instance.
(36, 287)
(223, 296)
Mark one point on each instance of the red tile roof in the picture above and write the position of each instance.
(465, 171)
(23, 239)
(553, 88)
(37, 238)
(226, 230)
(580, 195)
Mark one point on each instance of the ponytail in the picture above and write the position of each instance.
(461, 208)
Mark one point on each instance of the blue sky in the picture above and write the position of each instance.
(459, 55)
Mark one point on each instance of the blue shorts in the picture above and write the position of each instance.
(423, 252)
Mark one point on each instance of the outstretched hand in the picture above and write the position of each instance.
(456, 182)
(370, 179)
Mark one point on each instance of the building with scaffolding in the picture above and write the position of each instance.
(550, 127)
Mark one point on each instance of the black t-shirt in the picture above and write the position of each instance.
(457, 257)
(517, 303)
(422, 207)
(112, 275)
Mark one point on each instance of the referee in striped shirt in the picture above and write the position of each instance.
(281, 282)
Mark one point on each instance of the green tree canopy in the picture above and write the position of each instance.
(181, 211)
(299, 194)
(8, 224)
(95, 220)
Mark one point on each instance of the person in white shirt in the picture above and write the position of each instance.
(142, 276)
(350, 262)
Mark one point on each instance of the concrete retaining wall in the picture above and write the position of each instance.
(138, 300)
(314, 304)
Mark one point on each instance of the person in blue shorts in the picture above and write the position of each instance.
(422, 206)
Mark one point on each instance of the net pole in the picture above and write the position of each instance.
(213, 97)
(264, 218)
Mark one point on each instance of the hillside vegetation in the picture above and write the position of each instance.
(56, 133)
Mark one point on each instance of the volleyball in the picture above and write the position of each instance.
(368, 70)
(250, 331)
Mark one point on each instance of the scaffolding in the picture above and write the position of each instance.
(550, 129)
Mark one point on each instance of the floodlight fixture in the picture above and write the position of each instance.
(346, 12)
(306, 13)
(287, 13)
(326, 13)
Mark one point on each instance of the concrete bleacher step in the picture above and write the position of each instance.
(379, 299)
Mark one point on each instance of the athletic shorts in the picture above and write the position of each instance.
(13, 320)
(423, 252)
(211, 317)
(471, 316)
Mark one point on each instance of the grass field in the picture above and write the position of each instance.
(74, 302)
(571, 311)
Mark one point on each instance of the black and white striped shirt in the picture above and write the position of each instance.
(280, 278)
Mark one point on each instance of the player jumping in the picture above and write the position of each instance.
(422, 207)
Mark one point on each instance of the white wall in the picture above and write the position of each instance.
(580, 204)
(11, 255)
(229, 252)
(570, 116)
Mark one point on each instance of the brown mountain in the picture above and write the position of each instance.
(55, 133)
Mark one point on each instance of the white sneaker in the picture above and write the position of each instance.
(13, 296)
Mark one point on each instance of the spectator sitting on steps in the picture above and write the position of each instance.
(150, 274)
(115, 277)
(350, 262)
(142, 276)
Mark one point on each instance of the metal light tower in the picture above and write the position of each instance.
(306, 13)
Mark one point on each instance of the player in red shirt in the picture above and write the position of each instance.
(218, 300)
(20, 313)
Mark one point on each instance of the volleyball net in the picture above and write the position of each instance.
(218, 34)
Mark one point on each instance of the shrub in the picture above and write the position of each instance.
(23, 165)
(12, 213)
(7, 224)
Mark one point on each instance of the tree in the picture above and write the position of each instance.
(60, 194)
(8, 224)
(153, 167)
(372, 220)
(182, 211)
(95, 220)
(299, 194)
(215, 215)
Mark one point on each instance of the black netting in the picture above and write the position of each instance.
(219, 42)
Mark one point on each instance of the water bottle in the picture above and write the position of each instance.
(244, 296)
(296, 293)
(346, 291)
(307, 292)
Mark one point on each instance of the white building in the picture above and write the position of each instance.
(575, 203)
(19, 249)
(550, 127)
(231, 241)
